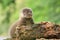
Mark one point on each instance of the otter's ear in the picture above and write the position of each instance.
(26, 9)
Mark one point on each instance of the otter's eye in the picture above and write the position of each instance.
(30, 11)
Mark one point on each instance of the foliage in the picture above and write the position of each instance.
(43, 10)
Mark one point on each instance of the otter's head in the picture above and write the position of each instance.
(27, 13)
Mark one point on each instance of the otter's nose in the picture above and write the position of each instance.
(30, 14)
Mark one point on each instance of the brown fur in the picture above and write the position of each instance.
(25, 20)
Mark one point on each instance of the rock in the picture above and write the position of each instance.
(45, 30)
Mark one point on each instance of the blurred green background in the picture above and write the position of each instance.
(43, 10)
